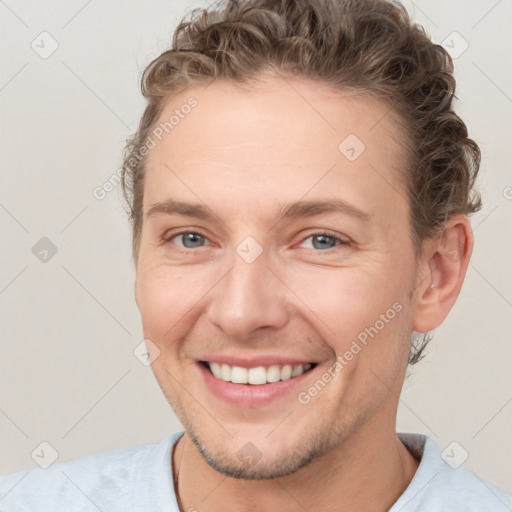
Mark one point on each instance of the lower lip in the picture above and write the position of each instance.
(247, 395)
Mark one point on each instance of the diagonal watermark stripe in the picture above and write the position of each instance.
(76, 14)
(198, 402)
(95, 404)
(14, 218)
(416, 6)
(74, 218)
(197, 302)
(499, 411)
(491, 491)
(85, 494)
(403, 403)
(291, 496)
(96, 300)
(13, 487)
(14, 76)
(301, 300)
(491, 285)
(492, 81)
(486, 14)
(13, 13)
(95, 94)
(13, 279)
(14, 423)
(420, 490)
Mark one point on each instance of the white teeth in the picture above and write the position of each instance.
(238, 375)
(273, 373)
(215, 368)
(258, 375)
(297, 370)
(225, 372)
(286, 372)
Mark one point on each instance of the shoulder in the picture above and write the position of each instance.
(441, 483)
(105, 481)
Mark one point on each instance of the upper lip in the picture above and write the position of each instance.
(254, 361)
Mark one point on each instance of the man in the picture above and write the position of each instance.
(299, 189)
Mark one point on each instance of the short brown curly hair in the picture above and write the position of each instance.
(369, 45)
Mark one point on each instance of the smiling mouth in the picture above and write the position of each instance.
(256, 376)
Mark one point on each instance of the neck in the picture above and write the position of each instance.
(368, 471)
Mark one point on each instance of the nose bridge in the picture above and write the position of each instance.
(250, 296)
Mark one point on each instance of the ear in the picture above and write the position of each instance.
(441, 272)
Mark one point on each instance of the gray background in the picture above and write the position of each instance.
(69, 325)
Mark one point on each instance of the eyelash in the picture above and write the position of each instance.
(340, 241)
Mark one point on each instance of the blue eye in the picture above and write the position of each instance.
(190, 240)
(318, 241)
(323, 241)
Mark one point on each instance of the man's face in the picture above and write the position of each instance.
(251, 282)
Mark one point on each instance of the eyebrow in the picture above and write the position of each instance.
(294, 210)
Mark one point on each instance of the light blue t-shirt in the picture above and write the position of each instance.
(139, 479)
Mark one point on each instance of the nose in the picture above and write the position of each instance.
(249, 297)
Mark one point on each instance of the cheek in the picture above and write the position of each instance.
(167, 298)
(160, 299)
(365, 320)
(354, 305)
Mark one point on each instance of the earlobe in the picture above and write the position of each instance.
(442, 271)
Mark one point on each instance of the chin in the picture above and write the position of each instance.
(252, 463)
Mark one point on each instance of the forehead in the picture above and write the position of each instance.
(276, 141)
